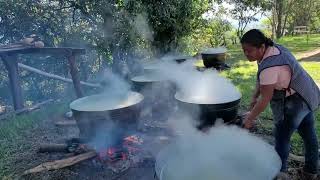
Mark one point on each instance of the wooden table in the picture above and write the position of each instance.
(9, 57)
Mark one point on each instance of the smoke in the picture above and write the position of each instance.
(206, 87)
(114, 85)
(142, 27)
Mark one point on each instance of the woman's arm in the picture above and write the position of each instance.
(255, 95)
(266, 93)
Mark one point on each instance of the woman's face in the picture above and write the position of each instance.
(253, 53)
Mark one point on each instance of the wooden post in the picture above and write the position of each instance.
(11, 64)
(74, 74)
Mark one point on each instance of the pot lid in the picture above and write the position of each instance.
(207, 99)
(218, 50)
(105, 102)
(215, 90)
(175, 57)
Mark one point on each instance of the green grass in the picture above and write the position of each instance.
(243, 75)
(13, 130)
(300, 43)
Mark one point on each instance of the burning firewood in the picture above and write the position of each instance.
(58, 164)
(53, 148)
(73, 145)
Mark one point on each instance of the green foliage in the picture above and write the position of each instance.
(172, 20)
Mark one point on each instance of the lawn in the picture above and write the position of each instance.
(243, 75)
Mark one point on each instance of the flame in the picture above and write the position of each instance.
(130, 145)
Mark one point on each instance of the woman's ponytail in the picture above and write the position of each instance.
(268, 42)
(256, 38)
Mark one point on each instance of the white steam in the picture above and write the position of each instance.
(142, 27)
(197, 87)
(114, 85)
(223, 153)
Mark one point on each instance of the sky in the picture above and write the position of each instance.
(234, 23)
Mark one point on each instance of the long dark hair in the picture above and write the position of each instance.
(256, 38)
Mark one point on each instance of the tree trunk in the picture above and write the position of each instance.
(279, 9)
(75, 75)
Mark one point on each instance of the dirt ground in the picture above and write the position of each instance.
(47, 132)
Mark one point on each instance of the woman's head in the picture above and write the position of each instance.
(254, 44)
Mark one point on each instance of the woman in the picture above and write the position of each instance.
(292, 94)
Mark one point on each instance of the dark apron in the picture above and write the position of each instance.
(290, 109)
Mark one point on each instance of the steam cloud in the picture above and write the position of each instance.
(225, 152)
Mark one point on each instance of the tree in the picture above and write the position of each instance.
(281, 10)
(244, 11)
(289, 13)
(173, 19)
(217, 29)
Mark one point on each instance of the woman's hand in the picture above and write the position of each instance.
(249, 122)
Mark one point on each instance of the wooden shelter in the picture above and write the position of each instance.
(9, 57)
(300, 30)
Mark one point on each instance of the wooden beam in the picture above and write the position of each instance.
(11, 64)
(44, 50)
(53, 76)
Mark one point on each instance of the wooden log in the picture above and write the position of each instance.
(53, 76)
(53, 148)
(296, 158)
(299, 158)
(66, 123)
(58, 164)
(34, 107)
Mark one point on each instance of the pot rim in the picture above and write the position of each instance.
(178, 96)
(213, 51)
(76, 104)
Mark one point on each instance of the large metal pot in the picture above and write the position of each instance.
(92, 112)
(214, 57)
(151, 77)
(208, 112)
(158, 93)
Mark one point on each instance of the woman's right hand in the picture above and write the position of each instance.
(253, 103)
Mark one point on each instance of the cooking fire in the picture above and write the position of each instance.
(122, 156)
